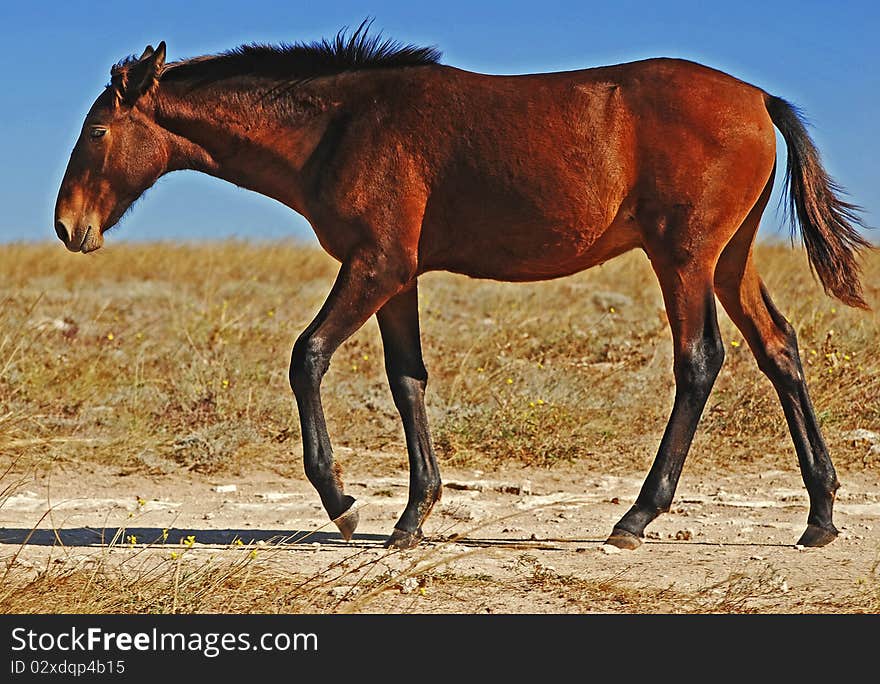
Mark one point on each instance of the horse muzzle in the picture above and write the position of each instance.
(82, 237)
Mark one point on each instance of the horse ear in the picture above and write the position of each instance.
(143, 75)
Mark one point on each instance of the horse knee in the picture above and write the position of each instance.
(308, 364)
(407, 389)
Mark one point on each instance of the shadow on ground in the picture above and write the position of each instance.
(89, 536)
(293, 539)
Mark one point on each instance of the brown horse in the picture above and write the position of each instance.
(404, 166)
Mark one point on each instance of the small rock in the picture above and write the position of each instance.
(609, 549)
(222, 489)
(684, 535)
(273, 496)
(757, 558)
(615, 500)
(800, 547)
(652, 535)
(861, 434)
(525, 489)
(208, 516)
(409, 585)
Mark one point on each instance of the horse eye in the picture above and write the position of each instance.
(96, 133)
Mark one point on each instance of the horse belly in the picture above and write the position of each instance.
(510, 250)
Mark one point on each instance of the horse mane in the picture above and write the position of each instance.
(292, 63)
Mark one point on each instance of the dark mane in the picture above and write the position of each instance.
(289, 63)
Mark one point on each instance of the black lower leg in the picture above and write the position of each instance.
(783, 367)
(698, 360)
(815, 465)
(399, 325)
(658, 490)
(307, 368)
(424, 476)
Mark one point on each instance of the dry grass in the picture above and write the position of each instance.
(243, 579)
(152, 357)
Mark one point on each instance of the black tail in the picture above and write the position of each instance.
(828, 224)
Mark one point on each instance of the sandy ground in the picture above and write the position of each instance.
(530, 537)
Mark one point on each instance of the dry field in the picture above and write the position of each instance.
(136, 380)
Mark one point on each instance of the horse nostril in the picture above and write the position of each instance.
(61, 231)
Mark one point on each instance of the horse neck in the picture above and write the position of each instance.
(229, 133)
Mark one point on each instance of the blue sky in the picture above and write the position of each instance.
(55, 59)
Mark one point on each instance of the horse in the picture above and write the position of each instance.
(403, 165)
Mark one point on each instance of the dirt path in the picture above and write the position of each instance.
(533, 538)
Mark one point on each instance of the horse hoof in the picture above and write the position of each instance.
(347, 523)
(623, 539)
(400, 539)
(817, 536)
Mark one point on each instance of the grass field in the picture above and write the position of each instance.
(145, 356)
(156, 358)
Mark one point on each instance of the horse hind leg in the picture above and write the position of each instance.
(774, 345)
(698, 356)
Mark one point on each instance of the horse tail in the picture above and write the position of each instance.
(828, 224)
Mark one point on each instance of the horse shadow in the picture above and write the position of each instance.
(305, 540)
(174, 536)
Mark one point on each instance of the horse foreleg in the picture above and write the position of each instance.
(698, 356)
(363, 285)
(407, 376)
